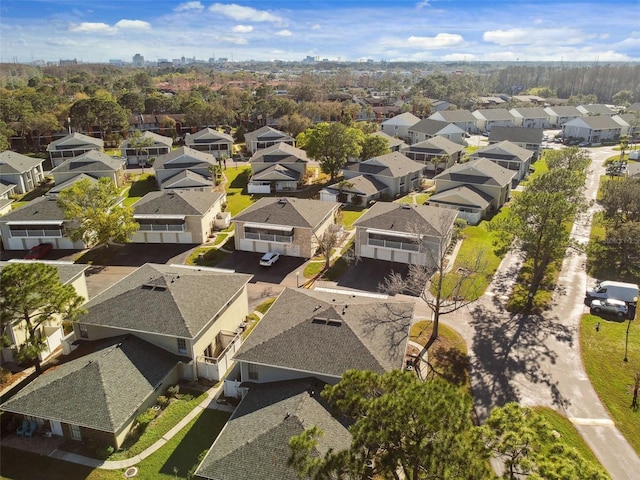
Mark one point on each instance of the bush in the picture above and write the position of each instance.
(144, 419)
(162, 401)
(173, 391)
(104, 452)
(5, 375)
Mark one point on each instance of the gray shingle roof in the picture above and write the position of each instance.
(531, 112)
(101, 390)
(165, 299)
(277, 172)
(43, 208)
(407, 218)
(362, 185)
(564, 111)
(494, 114)
(457, 116)
(596, 109)
(208, 135)
(68, 183)
(186, 179)
(184, 157)
(504, 150)
(598, 122)
(67, 271)
(428, 126)
(266, 133)
(464, 195)
(289, 211)
(13, 162)
(516, 134)
(176, 203)
(157, 139)
(279, 153)
(392, 165)
(393, 141)
(254, 445)
(368, 334)
(91, 161)
(75, 140)
(438, 144)
(405, 119)
(480, 172)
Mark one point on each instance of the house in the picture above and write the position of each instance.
(325, 334)
(404, 233)
(265, 137)
(178, 216)
(629, 123)
(528, 99)
(428, 128)
(136, 156)
(488, 118)
(398, 126)
(507, 155)
(19, 173)
(360, 190)
(39, 221)
(462, 118)
(595, 109)
(559, 115)
(531, 117)
(438, 151)
(594, 129)
(485, 181)
(278, 168)
(254, 444)
(185, 169)
(527, 138)
(289, 226)
(98, 396)
(491, 101)
(72, 145)
(156, 303)
(395, 144)
(51, 333)
(208, 140)
(400, 174)
(93, 164)
(5, 201)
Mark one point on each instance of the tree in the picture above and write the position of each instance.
(40, 124)
(98, 215)
(32, 296)
(5, 133)
(326, 243)
(422, 429)
(374, 146)
(140, 144)
(294, 124)
(529, 448)
(331, 144)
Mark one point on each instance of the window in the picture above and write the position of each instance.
(253, 371)
(84, 333)
(75, 432)
(182, 345)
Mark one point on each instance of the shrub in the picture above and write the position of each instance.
(144, 419)
(5, 375)
(104, 452)
(162, 401)
(173, 391)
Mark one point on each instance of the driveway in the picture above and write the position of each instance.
(281, 272)
(366, 274)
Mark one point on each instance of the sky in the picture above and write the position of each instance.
(338, 30)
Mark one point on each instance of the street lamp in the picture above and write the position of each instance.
(297, 279)
(631, 315)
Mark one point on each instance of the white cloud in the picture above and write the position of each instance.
(316, 27)
(183, 7)
(134, 24)
(90, 27)
(243, 28)
(422, 4)
(537, 36)
(284, 33)
(459, 57)
(240, 13)
(441, 40)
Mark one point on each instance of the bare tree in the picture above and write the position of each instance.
(329, 240)
(442, 288)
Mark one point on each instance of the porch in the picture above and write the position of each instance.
(214, 367)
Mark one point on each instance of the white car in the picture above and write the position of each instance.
(609, 305)
(269, 259)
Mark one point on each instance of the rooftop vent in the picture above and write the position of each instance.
(327, 321)
(158, 288)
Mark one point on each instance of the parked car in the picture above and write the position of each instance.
(611, 306)
(269, 259)
(584, 144)
(39, 251)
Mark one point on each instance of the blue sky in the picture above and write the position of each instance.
(419, 30)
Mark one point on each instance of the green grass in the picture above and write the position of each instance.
(568, 433)
(206, 256)
(420, 198)
(540, 166)
(350, 214)
(15, 205)
(266, 305)
(313, 268)
(140, 186)
(603, 352)
(237, 197)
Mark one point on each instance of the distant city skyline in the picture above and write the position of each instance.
(337, 30)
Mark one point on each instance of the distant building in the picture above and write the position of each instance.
(116, 62)
(138, 60)
(68, 62)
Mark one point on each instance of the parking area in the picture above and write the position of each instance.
(367, 274)
(249, 262)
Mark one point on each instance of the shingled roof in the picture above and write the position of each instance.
(254, 444)
(392, 165)
(91, 161)
(165, 299)
(503, 150)
(100, 390)
(13, 162)
(407, 218)
(279, 153)
(329, 333)
(516, 134)
(184, 157)
(39, 209)
(481, 171)
(176, 202)
(293, 212)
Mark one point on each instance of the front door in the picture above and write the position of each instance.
(56, 428)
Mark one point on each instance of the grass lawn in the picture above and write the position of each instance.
(603, 354)
(237, 197)
(350, 214)
(539, 166)
(208, 256)
(420, 198)
(140, 186)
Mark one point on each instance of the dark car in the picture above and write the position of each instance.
(39, 251)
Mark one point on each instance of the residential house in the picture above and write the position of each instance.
(289, 226)
(178, 216)
(360, 190)
(594, 129)
(6, 190)
(51, 333)
(72, 145)
(462, 118)
(559, 115)
(216, 143)
(630, 125)
(486, 119)
(428, 128)
(98, 396)
(439, 105)
(400, 174)
(528, 99)
(157, 304)
(398, 126)
(39, 221)
(19, 173)
(437, 153)
(507, 155)
(159, 124)
(596, 109)
(490, 101)
(527, 138)
(254, 444)
(265, 137)
(404, 233)
(476, 188)
(531, 117)
(185, 169)
(140, 157)
(93, 164)
(278, 168)
(395, 144)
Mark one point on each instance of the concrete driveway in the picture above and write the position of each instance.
(367, 274)
(281, 272)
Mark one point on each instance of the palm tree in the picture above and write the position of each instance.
(141, 145)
